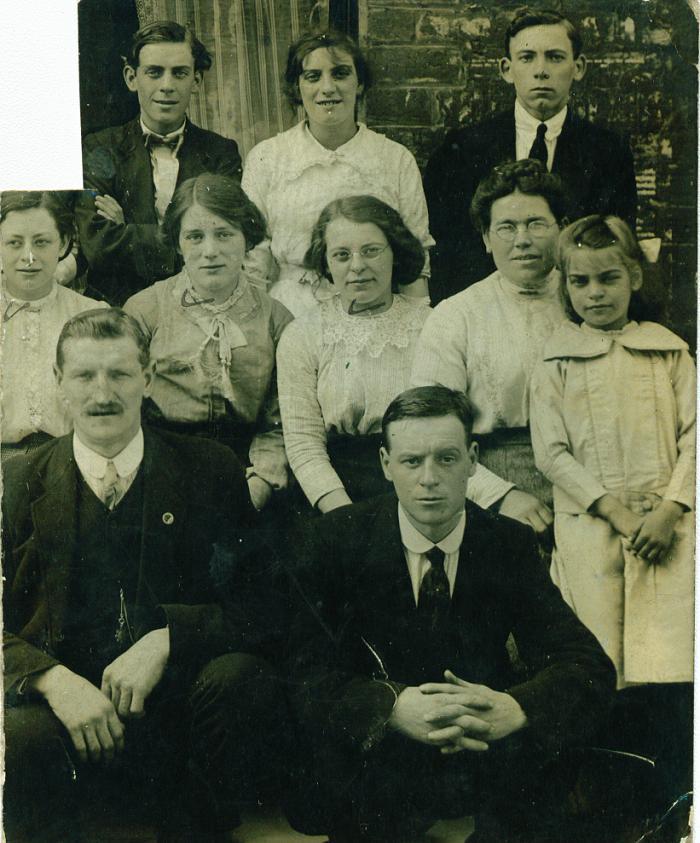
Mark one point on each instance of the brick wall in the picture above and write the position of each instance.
(435, 67)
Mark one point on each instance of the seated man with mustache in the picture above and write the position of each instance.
(122, 547)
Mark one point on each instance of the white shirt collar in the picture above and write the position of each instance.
(174, 134)
(415, 542)
(525, 122)
(94, 465)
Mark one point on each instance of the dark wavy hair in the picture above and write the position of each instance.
(168, 32)
(220, 195)
(428, 402)
(600, 232)
(525, 18)
(57, 203)
(332, 41)
(526, 176)
(409, 257)
(103, 323)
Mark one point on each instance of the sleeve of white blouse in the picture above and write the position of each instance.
(550, 441)
(268, 459)
(485, 487)
(412, 205)
(440, 356)
(259, 263)
(302, 419)
(682, 486)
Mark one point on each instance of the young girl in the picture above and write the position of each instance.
(613, 428)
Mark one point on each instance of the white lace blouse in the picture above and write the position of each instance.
(292, 177)
(338, 373)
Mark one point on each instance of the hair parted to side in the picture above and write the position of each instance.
(332, 41)
(602, 232)
(57, 203)
(110, 323)
(525, 18)
(428, 402)
(220, 195)
(409, 257)
(168, 32)
(526, 176)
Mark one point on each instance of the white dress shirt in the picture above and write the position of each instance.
(93, 466)
(165, 167)
(416, 545)
(526, 131)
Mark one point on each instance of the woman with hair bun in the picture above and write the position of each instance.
(294, 175)
(213, 334)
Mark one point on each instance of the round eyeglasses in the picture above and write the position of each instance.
(507, 231)
(367, 253)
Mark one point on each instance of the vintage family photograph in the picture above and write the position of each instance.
(348, 428)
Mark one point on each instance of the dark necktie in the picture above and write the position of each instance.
(157, 140)
(434, 592)
(538, 151)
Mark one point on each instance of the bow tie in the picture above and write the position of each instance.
(157, 140)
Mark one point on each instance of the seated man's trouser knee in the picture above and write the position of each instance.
(198, 750)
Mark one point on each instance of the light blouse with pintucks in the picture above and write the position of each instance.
(292, 177)
(486, 342)
(207, 354)
(337, 375)
(30, 329)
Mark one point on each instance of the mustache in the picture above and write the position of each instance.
(109, 409)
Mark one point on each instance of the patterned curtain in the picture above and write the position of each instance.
(248, 39)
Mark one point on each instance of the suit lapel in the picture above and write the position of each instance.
(567, 156)
(55, 521)
(137, 177)
(164, 518)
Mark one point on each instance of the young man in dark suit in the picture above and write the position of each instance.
(401, 681)
(124, 550)
(542, 59)
(134, 169)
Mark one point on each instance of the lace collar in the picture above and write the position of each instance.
(11, 305)
(241, 302)
(397, 327)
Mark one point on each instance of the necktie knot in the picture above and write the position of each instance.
(436, 557)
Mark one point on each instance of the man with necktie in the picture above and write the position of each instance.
(131, 171)
(408, 705)
(124, 550)
(542, 59)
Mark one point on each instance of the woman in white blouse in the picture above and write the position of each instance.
(340, 364)
(486, 340)
(36, 231)
(329, 155)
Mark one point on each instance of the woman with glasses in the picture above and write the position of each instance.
(341, 363)
(487, 339)
(292, 176)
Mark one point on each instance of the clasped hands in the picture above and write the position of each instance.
(648, 536)
(456, 715)
(93, 717)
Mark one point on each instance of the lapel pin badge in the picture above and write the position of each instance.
(168, 518)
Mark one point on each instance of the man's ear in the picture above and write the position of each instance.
(580, 65)
(473, 457)
(129, 74)
(149, 374)
(384, 457)
(197, 80)
(504, 70)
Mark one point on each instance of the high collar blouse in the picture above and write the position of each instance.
(30, 330)
(486, 341)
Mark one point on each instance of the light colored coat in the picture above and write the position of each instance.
(614, 412)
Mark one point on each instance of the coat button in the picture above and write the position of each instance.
(168, 518)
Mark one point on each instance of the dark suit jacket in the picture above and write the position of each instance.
(124, 259)
(596, 167)
(355, 622)
(196, 538)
